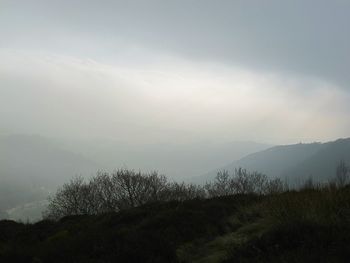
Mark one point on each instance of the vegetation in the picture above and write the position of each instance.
(124, 189)
(240, 217)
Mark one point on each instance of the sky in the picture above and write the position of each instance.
(180, 71)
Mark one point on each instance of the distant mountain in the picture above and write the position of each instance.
(177, 160)
(37, 159)
(32, 166)
(322, 164)
(293, 162)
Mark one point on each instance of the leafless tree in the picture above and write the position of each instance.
(275, 186)
(71, 199)
(221, 186)
(242, 182)
(342, 174)
(245, 182)
(124, 189)
(106, 192)
(182, 191)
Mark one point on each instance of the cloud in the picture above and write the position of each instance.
(303, 37)
(164, 99)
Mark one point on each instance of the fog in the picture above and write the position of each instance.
(148, 75)
(164, 100)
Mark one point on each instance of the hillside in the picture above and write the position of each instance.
(293, 162)
(307, 226)
(322, 164)
(53, 161)
(31, 167)
(177, 160)
(37, 159)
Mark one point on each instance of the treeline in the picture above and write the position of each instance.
(310, 223)
(124, 189)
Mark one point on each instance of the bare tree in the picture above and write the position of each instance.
(182, 191)
(221, 186)
(308, 184)
(69, 200)
(105, 192)
(240, 182)
(244, 182)
(342, 174)
(275, 186)
(125, 189)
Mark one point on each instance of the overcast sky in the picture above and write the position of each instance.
(158, 71)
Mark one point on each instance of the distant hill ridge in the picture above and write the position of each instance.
(34, 158)
(293, 162)
(31, 166)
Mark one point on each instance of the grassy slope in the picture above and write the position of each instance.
(308, 226)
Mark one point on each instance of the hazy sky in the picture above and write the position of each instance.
(158, 71)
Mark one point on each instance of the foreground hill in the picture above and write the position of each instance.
(294, 162)
(307, 226)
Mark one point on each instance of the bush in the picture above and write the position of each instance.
(123, 189)
(243, 182)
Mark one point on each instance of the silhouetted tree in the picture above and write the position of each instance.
(221, 186)
(124, 189)
(275, 186)
(342, 172)
(182, 192)
(71, 199)
(242, 182)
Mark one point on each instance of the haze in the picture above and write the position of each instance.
(184, 70)
(175, 72)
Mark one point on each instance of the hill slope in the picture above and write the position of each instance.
(177, 160)
(31, 166)
(37, 159)
(306, 226)
(322, 164)
(294, 162)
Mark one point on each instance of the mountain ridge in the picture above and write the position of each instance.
(292, 162)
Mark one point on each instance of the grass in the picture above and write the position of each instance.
(311, 225)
